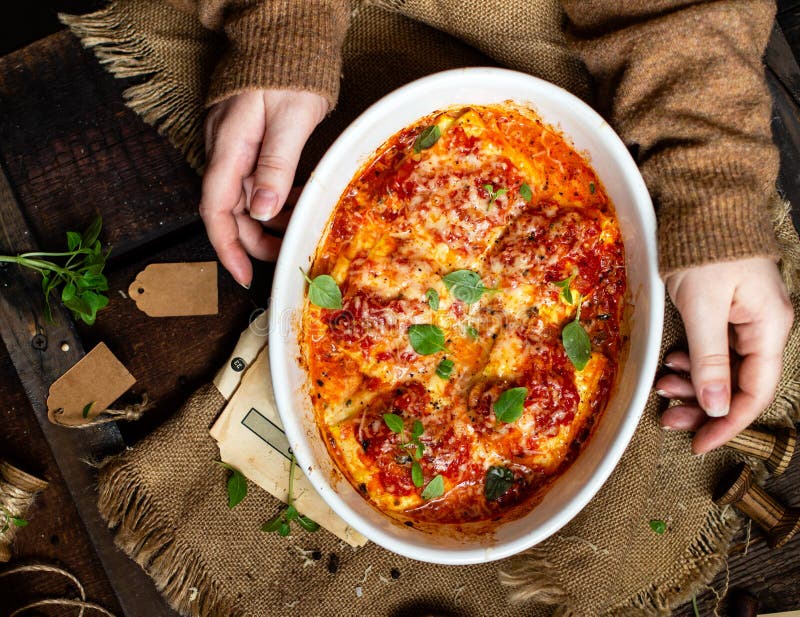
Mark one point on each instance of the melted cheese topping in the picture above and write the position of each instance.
(404, 222)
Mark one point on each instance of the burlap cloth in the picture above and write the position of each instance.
(166, 499)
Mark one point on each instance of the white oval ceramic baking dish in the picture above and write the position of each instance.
(591, 135)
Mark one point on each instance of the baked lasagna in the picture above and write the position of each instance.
(462, 326)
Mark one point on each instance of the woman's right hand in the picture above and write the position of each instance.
(253, 144)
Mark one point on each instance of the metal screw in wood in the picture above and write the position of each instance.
(775, 448)
(738, 488)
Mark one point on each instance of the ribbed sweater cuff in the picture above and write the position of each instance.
(711, 213)
(295, 46)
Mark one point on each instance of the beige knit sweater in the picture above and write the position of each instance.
(680, 80)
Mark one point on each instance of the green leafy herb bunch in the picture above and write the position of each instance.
(75, 275)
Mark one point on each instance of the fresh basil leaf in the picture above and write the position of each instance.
(465, 285)
(323, 291)
(434, 489)
(426, 339)
(493, 195)
(284, 530)
(566, 291)
(417, 429)
(419, 452)
(290, 513)
(576, 344)
(394, 422)
(433, 298)
(498, 481)
(19, 522)
(445, 368)
(92, 232)
(273, 524)
(73, 240)
(592, 188)
(429, 136)
(658, 526)
(525, 192)
(237, 489)
(68, 292)
(508, 406)
(237, 485)
(86, 409)
(77, 305)
(472, 333)
(416, 475)
(307, 524)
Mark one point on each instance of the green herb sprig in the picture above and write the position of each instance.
(323, 291)
(429, 136)
(75, 275)
(86, 409)
(445, 368)
(432, 296)
(525, 192)
(498, 481)
(434, 489)
(426, 339)
(493, 195)
(466, 285)
(576, 340)
(566, 291)
(658, 526)
(508, 406)
(396, 425)
(9, 519)
(237, 485)
(281, 522)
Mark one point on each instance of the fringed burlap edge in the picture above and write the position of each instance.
(141, 532)
(161, 100)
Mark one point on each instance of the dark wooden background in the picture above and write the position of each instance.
(69, 148)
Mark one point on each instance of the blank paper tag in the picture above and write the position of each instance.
(176, 290)
(88, 388)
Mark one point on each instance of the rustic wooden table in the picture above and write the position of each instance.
(69, 148)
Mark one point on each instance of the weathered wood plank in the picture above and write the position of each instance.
(41, 352)
(71, 148)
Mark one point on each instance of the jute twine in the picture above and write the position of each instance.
(82, 603)
(18, 489)
(129, 413)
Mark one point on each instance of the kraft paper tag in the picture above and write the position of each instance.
(251, 438)
(176, 289)
(88, 388)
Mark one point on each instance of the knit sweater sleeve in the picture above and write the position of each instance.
(282, 44)
(683, 83)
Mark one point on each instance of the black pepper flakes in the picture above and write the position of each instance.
(333, 563)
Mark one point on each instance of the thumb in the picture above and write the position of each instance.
(286, 133)
(706, 322)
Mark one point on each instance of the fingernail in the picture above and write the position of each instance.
(669, 364)
(667, 428)
(716, 400)
(245, 285)
(263, 205)
(662, 393)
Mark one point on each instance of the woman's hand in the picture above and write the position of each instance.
(740, 305)
(253, 143)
